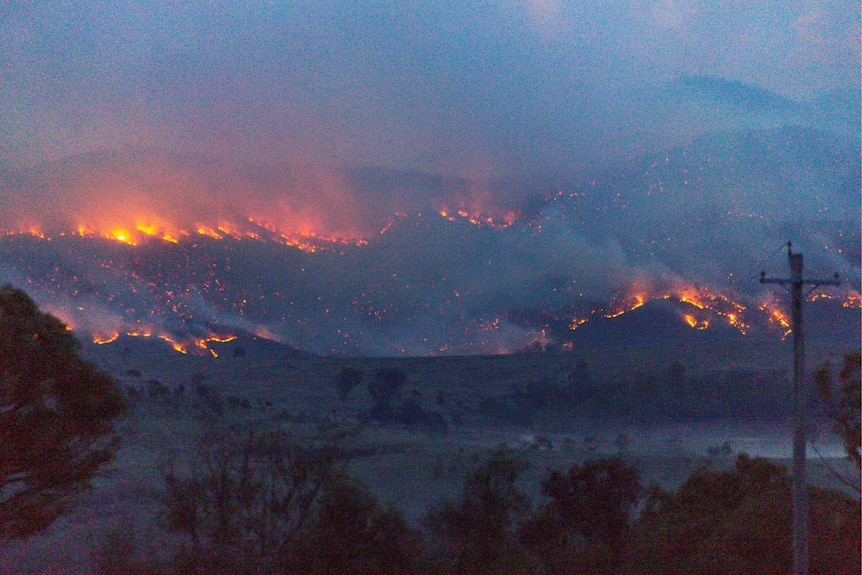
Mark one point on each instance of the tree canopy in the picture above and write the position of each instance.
(56, 413)
(844, 402)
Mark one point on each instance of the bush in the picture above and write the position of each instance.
(56, 417)
(476, 535)
(244, 499)
(348, 378)
(386, 386)
(584, 525)
(353, 534)
(739, 522)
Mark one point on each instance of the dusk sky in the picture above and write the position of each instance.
(615, 132)
(478, 89)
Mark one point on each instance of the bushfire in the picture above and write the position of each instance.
(183, 344)
(250, 229)
(179, 290)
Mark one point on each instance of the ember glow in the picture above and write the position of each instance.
(250, 229)
(184, 345)
(479, 218)
(187, 286)
(538, 168)
(727, 309)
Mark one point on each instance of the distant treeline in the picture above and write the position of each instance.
(669, 396)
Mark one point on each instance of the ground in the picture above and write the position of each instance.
(411, 469)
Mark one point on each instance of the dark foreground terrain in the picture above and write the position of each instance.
(416, 428)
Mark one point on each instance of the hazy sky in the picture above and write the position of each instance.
(126, 114)
(468, 87)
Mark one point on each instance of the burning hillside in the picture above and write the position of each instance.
(385, 262)
(201, 289)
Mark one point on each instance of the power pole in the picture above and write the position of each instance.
(800, 494)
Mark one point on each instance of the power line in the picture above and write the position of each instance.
(800, 495)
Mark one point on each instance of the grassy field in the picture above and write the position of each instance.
(268, 386)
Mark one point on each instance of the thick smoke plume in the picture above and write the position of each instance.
(378, 261)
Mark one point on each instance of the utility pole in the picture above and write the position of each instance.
(800, 494)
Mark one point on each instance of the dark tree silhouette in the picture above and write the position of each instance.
(352, 533)
(583, 526)
(386, 386)
(348, 378)
(476, 535)
(739, 522)
(56, 413)
(844, 409)
(245, 497)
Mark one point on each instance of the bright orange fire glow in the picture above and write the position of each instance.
(693, 322)
(29, 231)
(197, 346)
(481, 217)
(304, 238)
(853, 301)
(103, 339)
(701, 298)
(630, 304)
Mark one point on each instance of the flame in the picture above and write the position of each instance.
(149, 228)
(193, 345)
(135, 225)
(695, 323)
(853, 300)
(208, 231)
(155, 231)
(34, 231)
(629, 304)
(700, 297)
(481, 216)
(103, 339)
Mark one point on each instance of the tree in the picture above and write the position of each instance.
(476, 535)
(352, 533)
(245, 498)
(56, 414)
(348, 378)
(844, 409)
(386, 385)
(583, 526)
(383, 389)
(739, 522)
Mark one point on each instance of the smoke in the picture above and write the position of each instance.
(697, 221)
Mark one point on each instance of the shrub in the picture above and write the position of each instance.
(348, 378)
(245, 498)
(739, 522)
(351, 534)
(476, 535)
(56, 416)
(583, 526)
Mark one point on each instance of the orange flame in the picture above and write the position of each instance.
(196, 345)
(630, 304)
(481, 216)
(103, 339)
(699, 297)
(853, 300)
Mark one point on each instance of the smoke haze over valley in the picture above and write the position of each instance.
(380, 180)
(693, 224)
